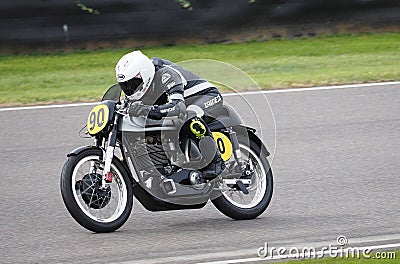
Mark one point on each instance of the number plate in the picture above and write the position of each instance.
(224, 145)
(97, 119)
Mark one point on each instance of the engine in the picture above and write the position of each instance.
(149, 154)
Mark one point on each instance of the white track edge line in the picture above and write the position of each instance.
(290, 90)
(18, 108)
(317, 88)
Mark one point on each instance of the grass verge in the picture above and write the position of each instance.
(84, 75)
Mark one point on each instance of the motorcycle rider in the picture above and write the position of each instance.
(167, 90)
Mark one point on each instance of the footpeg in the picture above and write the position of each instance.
(169, 186)
(239, 184)
(241, 187)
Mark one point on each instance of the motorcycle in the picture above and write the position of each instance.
(151, 161)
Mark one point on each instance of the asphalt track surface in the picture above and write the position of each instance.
(336, 171)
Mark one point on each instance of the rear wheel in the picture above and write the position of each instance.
(234, 203)
(97, 209)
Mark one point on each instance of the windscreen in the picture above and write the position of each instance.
(113, 93)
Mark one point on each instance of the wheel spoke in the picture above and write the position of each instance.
(84, 191)
(91, 196)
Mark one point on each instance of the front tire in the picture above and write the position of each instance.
(96, 209)
(261, 187)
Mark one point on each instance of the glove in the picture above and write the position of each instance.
(155, 113)
(137, 109)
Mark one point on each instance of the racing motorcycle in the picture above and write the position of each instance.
(151, 161)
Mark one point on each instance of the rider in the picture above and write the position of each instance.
(166, 89)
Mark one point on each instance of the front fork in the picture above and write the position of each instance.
(108, 154)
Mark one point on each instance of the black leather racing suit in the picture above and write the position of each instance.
(173, 85)
(173, 89)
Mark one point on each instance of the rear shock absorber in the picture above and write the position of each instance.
(236, 148)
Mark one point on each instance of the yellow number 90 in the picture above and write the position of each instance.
(97, 119)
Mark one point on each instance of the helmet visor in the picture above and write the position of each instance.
(130, 87)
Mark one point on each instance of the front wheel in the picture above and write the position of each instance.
(97, 209)
(233, 202)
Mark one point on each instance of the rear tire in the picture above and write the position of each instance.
(258, 205)
(84, 212)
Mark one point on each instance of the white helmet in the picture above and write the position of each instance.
(131, 71)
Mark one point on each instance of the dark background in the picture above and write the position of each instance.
(30, 24)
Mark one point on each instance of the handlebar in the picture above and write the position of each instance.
(121, 109)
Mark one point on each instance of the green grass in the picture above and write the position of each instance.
(372, 260)
(84, 75)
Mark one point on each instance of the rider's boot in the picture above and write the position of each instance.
(214, 169)
(210, 154)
